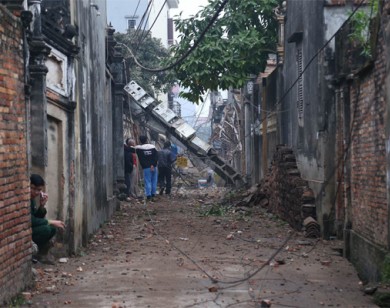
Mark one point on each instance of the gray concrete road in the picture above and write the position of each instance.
(176, 253)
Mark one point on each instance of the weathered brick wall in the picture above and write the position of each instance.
(15, 230)
(287, 194)
(368, 150)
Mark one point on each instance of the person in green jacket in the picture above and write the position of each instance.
(43, 230)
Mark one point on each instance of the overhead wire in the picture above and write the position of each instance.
(343, 158)
(319, 51)
(188, 52)
(200, 112)
(136, 8)
(155, 20)
(147, 20)
(142, 22)
(288, 238)
(279, 101)
(215, 280)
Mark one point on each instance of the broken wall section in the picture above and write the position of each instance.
(284, 193)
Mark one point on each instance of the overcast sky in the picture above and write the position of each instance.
(189, 7)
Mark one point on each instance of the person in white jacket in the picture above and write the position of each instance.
(148, 158)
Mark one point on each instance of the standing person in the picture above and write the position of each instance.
(174, 151)
(165, 160)
(128, 167)
(43, 230)
(148, 157)
(134, 174)
(210, 177)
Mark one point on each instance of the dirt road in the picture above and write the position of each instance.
(187, 252)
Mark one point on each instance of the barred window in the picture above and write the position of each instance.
(131, 23)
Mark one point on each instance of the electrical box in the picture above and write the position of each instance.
(165, 114)
(201, 145)
(135, 90)
(146, 100)
(185, 130)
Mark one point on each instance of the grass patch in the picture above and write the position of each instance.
(17, 301)
(214, 210)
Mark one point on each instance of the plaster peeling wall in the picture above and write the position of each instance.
(57, 76)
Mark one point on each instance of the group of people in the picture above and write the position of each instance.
(156, 166)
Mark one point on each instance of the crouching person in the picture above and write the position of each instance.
(43, 230)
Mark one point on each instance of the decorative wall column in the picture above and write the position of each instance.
(280, 13)
(118, 100)
(38, 70)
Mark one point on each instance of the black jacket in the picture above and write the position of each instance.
(165, 158)
(128, 159)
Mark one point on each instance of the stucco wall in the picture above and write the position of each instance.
(308, 123)
(93, 125)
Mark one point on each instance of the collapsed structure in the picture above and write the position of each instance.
(165, 119)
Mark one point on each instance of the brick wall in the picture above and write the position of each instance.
(287, 194)
(368, 150)
(15, 230)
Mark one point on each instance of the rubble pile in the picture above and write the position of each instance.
(311, 228)
(284, 193)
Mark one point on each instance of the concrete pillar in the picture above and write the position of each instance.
(119, 100)
(37, 72)
(248, 114)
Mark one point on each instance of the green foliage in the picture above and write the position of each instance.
(149, 53)
(360, 22)
(235, 46)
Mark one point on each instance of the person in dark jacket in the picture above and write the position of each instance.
(165, 160)
(148, 158)
(134, 191)
(128, 167)
(43, 230)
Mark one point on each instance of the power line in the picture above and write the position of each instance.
(137, 32)
(310, 62)
(147, 19)
(189, 51)
(136, 9)
(318, 52)
(150, 28)
(204, 103)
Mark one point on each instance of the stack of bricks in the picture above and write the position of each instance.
(289, 196)
(15, 225)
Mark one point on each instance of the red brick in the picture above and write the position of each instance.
(15, 221)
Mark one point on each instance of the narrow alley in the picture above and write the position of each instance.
(287, 98)
(191, 251)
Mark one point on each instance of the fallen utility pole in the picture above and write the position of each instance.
(167, 119)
